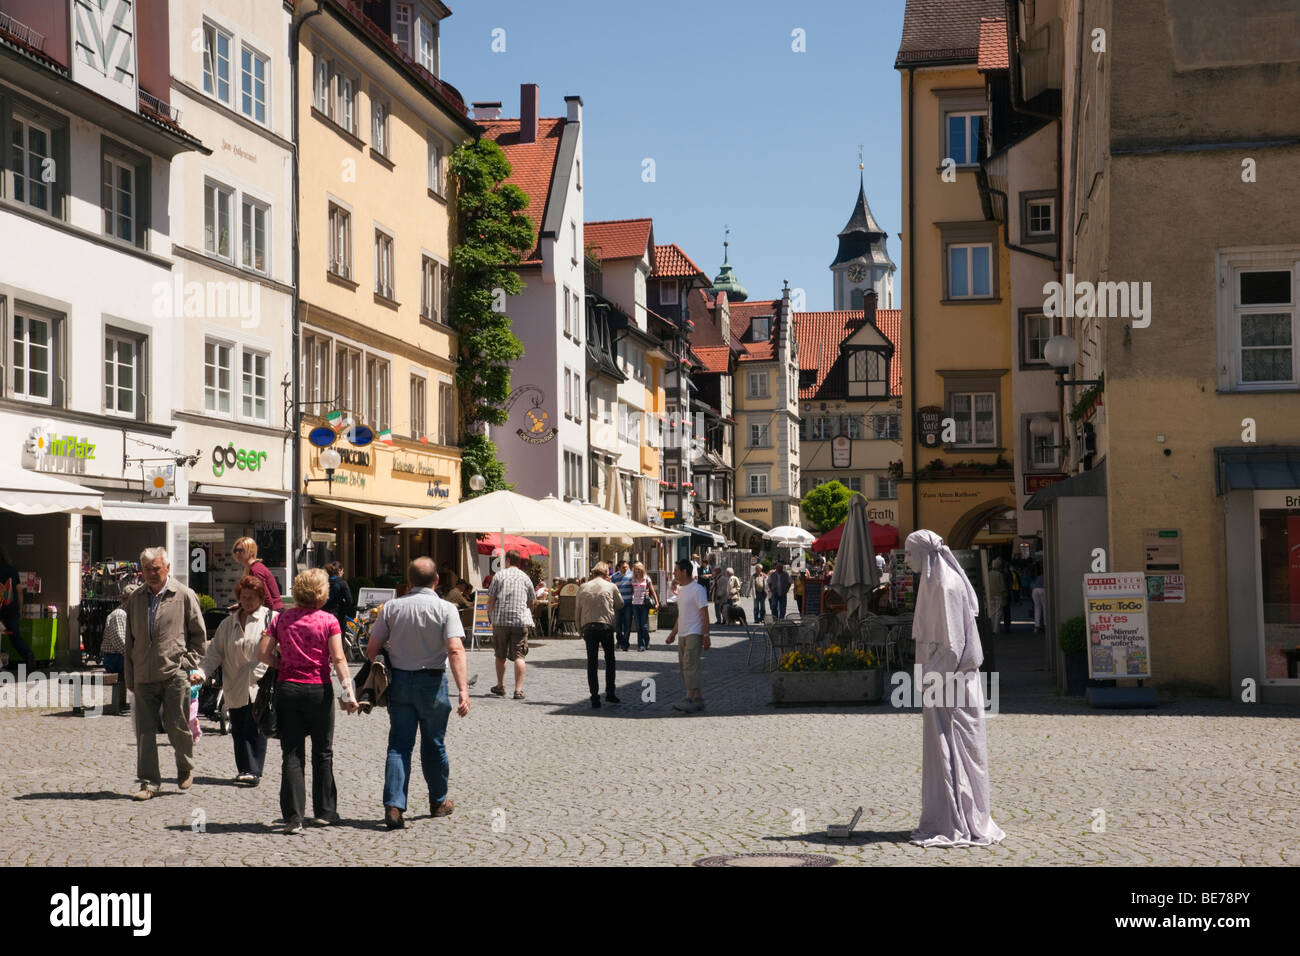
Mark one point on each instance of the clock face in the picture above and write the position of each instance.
(857, 273)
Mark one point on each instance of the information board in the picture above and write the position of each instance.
(812, 598)
(1118, 640)
(1166, 589)
(482, 623)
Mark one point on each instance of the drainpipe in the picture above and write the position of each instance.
(911, 279)
(295, 532)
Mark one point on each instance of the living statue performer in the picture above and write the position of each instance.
(954, 765)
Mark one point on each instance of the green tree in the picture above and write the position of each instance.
(494, 237)
(826, 506)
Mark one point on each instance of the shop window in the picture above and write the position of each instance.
(1279, 537)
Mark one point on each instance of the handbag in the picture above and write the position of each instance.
(264, 703)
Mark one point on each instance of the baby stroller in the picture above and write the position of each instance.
(212, 702)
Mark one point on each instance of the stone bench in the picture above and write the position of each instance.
(77, 681)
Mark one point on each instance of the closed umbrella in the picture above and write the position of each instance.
(856, 574)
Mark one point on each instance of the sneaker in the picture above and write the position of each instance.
(246, 778)
(292, 827)
(325, 821)
(444, 809)
(393, 818)
(144, 793)
(699, 705)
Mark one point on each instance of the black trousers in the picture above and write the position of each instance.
(250, 745)
(598, 637)
(304, 710)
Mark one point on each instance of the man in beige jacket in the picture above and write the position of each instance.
(599, 602)
(165, 638)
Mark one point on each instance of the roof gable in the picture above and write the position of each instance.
(532, 165)
(620, 238)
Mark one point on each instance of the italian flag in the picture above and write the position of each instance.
(336, 420)
(386, 436)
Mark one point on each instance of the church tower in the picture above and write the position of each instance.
(862, 262)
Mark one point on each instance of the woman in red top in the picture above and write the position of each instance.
(246, 555)
(303, 642)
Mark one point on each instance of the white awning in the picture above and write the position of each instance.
(220, 491)
(27, 492)
(157, 513)
(753, 527)
(391, 514)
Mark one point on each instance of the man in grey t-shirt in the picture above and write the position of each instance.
(423, 636)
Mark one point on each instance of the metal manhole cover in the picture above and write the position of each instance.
(768, 859)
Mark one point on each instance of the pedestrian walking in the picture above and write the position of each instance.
(303, 642)
(234, 649)
(693, 625)
(778, 587)
(112, 645)
(720, 595)
(165, 638)
(1039, 592)
(339, 603)
(760, 592)
(245, 552)
(695, 567)
(997, 593)
(800, 579)
(622, 578)
(423, 636)
(510, 599)
(600, 603)
(11, 606)
(643, 599)
(732, 585)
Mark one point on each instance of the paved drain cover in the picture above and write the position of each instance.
(768, 859)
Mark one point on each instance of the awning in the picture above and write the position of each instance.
(710, 535)
(220, 491)
(752, 527)
(158, 513)
(1271, 468)
(27, 492)
(1086, 484)
(391, 514)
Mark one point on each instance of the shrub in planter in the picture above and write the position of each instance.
(206, 603)
(1073, 640)
(832, 676)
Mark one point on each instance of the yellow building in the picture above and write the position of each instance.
(960, 431)
(375, 128)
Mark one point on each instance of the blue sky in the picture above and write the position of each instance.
(743, 130)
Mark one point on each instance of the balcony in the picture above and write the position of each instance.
(22, 33)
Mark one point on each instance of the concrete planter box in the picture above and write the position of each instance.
(796, 688)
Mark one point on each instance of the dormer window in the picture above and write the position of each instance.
(868, 370)
(760, 328)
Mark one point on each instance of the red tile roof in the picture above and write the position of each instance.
(714, 357)
(943, 30)
(618, 238)
(993, 44)
(671, 262)
(532, 164)
(741, 313)
(819, 336)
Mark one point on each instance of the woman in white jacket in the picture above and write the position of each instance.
(234, 650)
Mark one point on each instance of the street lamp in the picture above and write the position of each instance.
(477, 483)
(1040, 426)
(330, 461)
(1061, 352)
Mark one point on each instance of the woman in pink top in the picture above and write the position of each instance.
(303, 642)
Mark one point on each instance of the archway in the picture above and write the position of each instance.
(972, 522)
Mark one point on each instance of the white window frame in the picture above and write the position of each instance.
(886, 487)
(970, 248)
(345, 102)
(339, 244)
(256, 103)
(573, 236)
(317, 370)
(112, 211)
(385, 263)
(760, 435)
(822, 428)
(579, 318)
(1030, 205)
(400, 22)
(378, 392)
(762, 379)
(322, 77)
(972, 441)
(1050, 443)
(223, 198)
(758, 482)
(248, 234)
(1231, 263)
(852, 427)
(379, 125)
(212, 393)
(436, 182)
(249, 389)
(113, 342)
(972, 141)
(211, 55)
(23, 171)
(1026, 342)
(426, 47)
(419, 407)
(881, 426)
(568, 393)
(12, 346)
(350, 379)
(447, 413)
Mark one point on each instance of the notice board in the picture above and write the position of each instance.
(1119, 644)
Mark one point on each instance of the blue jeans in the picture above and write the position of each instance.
(417, 699)
(624, 622)
(758, 608)
(778, 606)
(641, 615)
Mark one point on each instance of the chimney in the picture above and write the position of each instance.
(574, 104)
(528, 100)
(869, 299)
(487, 111)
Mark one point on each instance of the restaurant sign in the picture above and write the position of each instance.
(1036, 483)
(929, 425)
(841, 451)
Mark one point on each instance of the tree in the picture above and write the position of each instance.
(494, 237)
(826, 506)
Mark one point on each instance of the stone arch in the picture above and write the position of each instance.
(968, 525)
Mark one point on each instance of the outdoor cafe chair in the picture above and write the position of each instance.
(877, 636)
(758, 634)
(566, 615)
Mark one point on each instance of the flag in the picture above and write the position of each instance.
(386, 436)
(335, 420)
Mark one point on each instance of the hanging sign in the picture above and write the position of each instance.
(929, 425)
(360, 435)
(1118, 639)
(841, 451)
(322, 437)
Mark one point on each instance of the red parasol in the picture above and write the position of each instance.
(884, 538)
(491, 544)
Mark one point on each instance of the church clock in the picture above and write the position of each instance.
(857, 272)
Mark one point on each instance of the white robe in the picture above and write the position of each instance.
(955, 807)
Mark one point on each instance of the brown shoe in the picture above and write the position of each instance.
(144, 793)
(186, 781)
(393, 818)
(444, 809)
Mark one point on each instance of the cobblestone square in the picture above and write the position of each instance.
(549, 780)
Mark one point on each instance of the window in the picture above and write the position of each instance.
(1039, 217)
(216, 62)
(385, 280)
(886, 487)
(334, 94)
(963, 131)
(573, 475)
(320, 91)
(568, 390)
(758, 482)
(888, 426)
(851, 482)
(32, 161)
(435, 167)
(759, 436)
(973, 413)
(316, 360)
(33, 357)
(340, 241)
(428, 46)
(419, 407)
(629, 424)
(402, 27)
(867, 371)
(851, 426)
(252, 385)
(670, 474)
(821, 428)
(573, 236)
(347, 381)
(1043, 452)
(758, 385)
(1035, 329)
(807, 378)
(379, 125)
(117, 196)
(121, 374)
(345, 106)
(433, 277)
(447, 414)
(576, 402)
(577, 318)
(253, 229)
(668, 291)
(1266, 318)
(252, 84)
(568, 313)
(378, 401)
(218, 203)
(760, 328)
(218, 373)
(970, 271)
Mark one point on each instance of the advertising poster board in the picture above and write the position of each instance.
(901, 581)
(1166, 589)
(1115, 604)
(482, 624)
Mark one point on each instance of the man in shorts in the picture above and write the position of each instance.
(510, 601)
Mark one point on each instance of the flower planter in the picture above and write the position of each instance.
(796, 688)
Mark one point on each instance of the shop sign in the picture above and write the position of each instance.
(1164, 550)
(482, 623)
(537, 428)
(1166, 589)
(349, 457)
(667, 515)
(53, 452)
(929, 425)
(841, 451)
(1118, 639)
(1034, 483)
(436, 490)
(882, 515)
(414, 466)
(244, 459)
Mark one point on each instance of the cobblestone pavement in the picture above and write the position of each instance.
(548, 779)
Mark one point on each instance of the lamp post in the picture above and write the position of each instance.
(330, 461)
(1061, 352)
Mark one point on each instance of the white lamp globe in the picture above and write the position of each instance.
(1061, 351)
(477, 483)
(330, 459)
(1040, 426)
